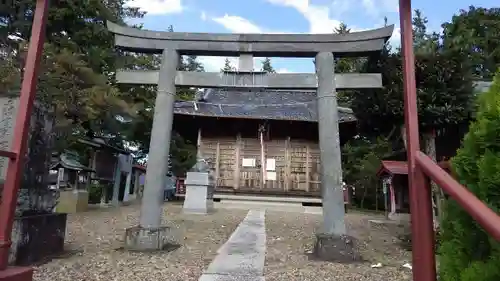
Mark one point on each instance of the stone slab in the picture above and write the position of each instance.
(384, 32)
(197, 178)
(263, 45)
(149, 239)
(219, 277)
(304, 81)
(8, 111)
(242, 256)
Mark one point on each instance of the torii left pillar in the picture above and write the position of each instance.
(150, 235)
(332, 243)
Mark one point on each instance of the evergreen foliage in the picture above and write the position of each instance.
(467, 252)
(227, 66)
(267, 66)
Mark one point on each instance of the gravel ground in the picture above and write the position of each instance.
(290, 236)
(94, 238)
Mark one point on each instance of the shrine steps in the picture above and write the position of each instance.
(274, 203)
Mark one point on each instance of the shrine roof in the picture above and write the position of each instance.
(70, 161)
(401, 167)
(257, 104)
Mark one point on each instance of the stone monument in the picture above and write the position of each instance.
(321, 46)
(199, 189)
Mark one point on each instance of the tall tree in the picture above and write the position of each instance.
(346, 65)
(476, 33)
(227, 66)
(138, 130)
(267, 66)
(444, 86)
(79, 60)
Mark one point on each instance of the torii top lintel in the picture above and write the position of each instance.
(260, 45)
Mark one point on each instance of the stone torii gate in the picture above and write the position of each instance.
(150, 234)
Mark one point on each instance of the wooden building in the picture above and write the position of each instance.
(259, 141)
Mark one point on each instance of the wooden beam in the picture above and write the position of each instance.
(287, 164)
(304, 81)
(308, 167)
(198, 144)
(237, 156)
(217, 164)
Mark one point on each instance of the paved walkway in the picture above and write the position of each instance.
(242, 257)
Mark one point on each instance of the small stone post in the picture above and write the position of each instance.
(126, 194)
(199, 189)
(150, 234)
(116, 183)
(332, 243)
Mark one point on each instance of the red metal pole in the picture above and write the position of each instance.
(424, 263)
(23, 118)
(476, 208)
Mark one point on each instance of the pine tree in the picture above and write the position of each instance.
(267, 67)
(192, 64)
(227, 66)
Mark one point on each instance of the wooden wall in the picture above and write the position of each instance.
(297, 163)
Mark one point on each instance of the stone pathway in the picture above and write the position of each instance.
(242, 257)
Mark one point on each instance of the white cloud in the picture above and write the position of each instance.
(395, 39)
(377, 8)
(157, 7)
(234, 24)
(203, 16)
(283, 70)
(237, 24)
(318, 16)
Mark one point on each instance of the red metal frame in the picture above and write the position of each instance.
(19, 142)
(424, 263)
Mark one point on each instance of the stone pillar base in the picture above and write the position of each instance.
(138, 238)
(342, 249)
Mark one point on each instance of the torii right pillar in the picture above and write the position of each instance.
(332, 243)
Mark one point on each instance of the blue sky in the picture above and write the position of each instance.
(287, 16)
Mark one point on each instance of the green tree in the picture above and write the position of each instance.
(467, 252)
(346, 65)
(138, 130)
(267, 66)
(78, 62)
(361, 159)
(444, 87)
(227, 66)
(476, 32)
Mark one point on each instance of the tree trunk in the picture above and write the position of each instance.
(429, 139)
(403, 136)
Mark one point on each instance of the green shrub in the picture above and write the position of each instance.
(95, 193)
(467, 252)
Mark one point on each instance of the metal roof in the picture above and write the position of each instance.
(257, 104)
